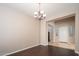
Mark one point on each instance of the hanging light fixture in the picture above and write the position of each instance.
(40, 14)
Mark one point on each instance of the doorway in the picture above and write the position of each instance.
(50, 33)
(64, 33)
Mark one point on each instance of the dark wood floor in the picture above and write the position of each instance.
(45, 51)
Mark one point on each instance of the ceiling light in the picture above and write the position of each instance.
(39, 14)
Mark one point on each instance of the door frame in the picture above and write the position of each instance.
(66, 16)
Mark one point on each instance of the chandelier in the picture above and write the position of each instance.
(39, 14)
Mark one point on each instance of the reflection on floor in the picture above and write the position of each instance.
(63, 45)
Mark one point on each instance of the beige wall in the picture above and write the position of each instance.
(17, 30)
(68, 22)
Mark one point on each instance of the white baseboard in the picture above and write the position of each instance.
(20, 50)
(44, 44)
(77, 52)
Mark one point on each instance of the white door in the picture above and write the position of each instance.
(63, 34)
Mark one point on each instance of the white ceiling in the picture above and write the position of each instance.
(50, 9)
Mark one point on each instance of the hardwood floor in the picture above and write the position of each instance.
(45, 51)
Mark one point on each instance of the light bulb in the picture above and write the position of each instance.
(44, 15)
(42, 12)
(35, 13)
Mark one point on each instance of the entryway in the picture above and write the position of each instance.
(61, 32)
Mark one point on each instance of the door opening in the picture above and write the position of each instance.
(64, 33)
(48, 36)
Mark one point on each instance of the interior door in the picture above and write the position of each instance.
(63, 34)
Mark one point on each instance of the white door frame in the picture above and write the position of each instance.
(55, 19)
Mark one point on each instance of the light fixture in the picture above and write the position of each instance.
(39, 14)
